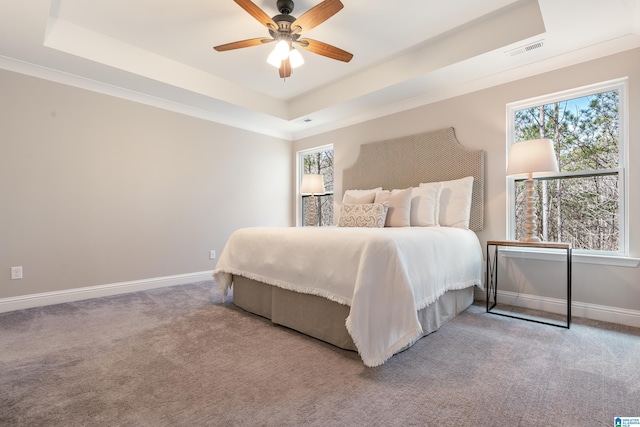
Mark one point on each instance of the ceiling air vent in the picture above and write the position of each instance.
(527, 48)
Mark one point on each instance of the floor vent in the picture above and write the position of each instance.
(527, 48)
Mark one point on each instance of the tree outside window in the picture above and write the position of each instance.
(319, 161)
(582, 203)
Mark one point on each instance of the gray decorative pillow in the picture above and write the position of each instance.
(371, 215)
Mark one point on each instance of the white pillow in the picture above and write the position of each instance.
(399, 214)
(425, 204)
(367, 198)
(455, 202)
(371, 215)
(358, 194)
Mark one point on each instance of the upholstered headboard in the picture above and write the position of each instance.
(410, 160)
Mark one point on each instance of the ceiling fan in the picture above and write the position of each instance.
(286, 30)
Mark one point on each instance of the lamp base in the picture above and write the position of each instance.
(312, 205)
(530, 235)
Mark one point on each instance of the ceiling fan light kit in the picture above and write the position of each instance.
(286, 31)
(279, 53)
(295, 58)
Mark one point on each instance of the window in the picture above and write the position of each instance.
(317, 161)
(584, 203)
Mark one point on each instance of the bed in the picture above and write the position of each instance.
(375, 290)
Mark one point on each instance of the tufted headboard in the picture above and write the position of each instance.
(425, 157)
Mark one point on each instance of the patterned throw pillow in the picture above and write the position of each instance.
(371, 215)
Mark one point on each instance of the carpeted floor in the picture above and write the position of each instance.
(180, 357)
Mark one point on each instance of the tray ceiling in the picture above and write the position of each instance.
(160, 52)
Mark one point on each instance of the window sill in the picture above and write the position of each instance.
(547, 255)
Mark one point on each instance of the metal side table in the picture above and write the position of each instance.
(492, 276)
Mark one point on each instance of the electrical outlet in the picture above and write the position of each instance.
(212, 254)
(16, 273)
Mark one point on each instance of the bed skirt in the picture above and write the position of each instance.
(324, 319)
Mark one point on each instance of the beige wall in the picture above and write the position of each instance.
(479, 119)
(98, 190)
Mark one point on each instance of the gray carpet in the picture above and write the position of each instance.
(178, 356)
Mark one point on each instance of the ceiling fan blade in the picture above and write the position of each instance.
(253, 10)
(243, 43)
(325, 49)
(317, 15)
(285, 69)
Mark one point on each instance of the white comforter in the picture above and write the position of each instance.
(385, 275)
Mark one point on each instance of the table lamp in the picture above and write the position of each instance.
(530, 159)
(312, 185)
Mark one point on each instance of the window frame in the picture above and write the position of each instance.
(621, 85)
(299, 173)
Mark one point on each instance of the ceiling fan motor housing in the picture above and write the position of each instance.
(285, 6)
(284, 21)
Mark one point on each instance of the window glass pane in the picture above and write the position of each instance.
(585, 130)
(323, 212)
(582, 211)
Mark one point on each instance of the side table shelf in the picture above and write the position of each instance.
(491, 281)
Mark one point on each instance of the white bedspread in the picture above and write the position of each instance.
(385, 275)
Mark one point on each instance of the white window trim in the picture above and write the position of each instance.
(300, 173)
(580, 257)
(590, 257)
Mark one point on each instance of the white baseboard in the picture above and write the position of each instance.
(578, 309)
(77, 294)
(602, 313)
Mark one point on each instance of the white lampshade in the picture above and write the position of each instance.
(536, 157)
(312, 184)
(274, 59)
(295, 58)
(282, 50)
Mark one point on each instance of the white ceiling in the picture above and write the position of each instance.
(406, 54)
